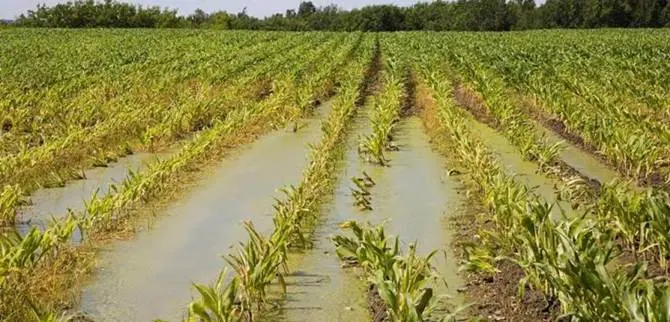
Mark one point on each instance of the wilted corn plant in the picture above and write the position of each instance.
(257, 264)
(19, 252)
(570, 88)
(400, 279)
(101, 214)
(637, 216)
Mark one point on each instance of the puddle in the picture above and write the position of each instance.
(580, 160)
(150, 276)
(51, 203)
(320, 289)
(525, 172)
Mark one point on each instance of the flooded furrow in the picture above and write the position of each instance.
(416, 198)
(526, 172)
(320, 289)
(580, 160)
(53, 203)
(150, 276)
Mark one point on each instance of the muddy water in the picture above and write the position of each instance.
(416, 198)
(51, 203)
(580, 160)
(526, 172)
(150, 276)
(319, 289)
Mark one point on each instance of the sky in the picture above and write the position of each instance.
(9, 9)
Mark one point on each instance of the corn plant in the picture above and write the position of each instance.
(385, 113)
(570, 261)
(400, 279)
(256, 266)
(261, 260)
(361, 193)
(10, 199)
(217, 303)
(102, 213)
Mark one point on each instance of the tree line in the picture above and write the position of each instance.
(477, 15)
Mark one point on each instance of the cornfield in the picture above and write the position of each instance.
(525, 126)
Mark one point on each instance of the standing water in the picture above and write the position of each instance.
(151, 276)
(417, 198)
(581, 160)
(319, 289)
(48, 203)
(525, 172)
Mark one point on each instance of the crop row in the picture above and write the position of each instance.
(639, 217)
(54, 162)
(384, 114)
(22, 257)
(631, 135)
(573, 262)
(262, 260)
(93, 84)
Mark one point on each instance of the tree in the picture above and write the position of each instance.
(522, 14)
(665, 16)
(495, 15)
(306, 9)
(197, 18)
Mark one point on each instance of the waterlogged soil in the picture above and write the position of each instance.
(151, 275)
(53, 203)
(319, 289)
(525, 172)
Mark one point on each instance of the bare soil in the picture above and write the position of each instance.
(376, 305)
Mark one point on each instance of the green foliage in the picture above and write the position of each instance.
(384, 114)
(102, 213)
(89, 13)
(572, 261)
(261, 261)
(256, 266)
(479, 15)
(10, 199)
(401, 278)
(217, 303)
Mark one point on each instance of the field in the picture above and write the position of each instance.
(322, 176)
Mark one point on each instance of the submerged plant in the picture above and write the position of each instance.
(361, 193)
(372, 149)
